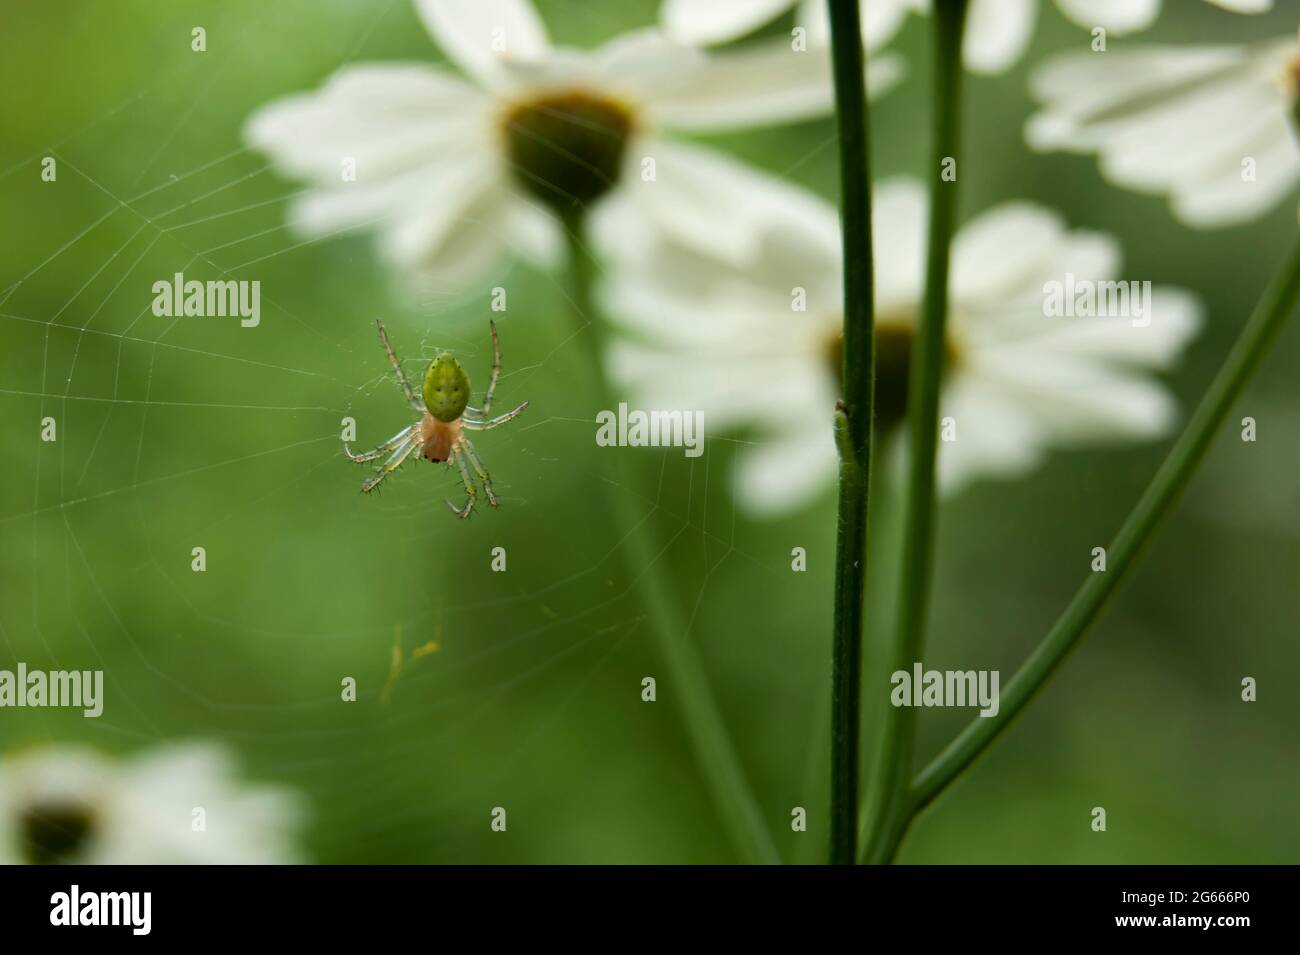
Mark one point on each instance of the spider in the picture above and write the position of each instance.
(445, 416)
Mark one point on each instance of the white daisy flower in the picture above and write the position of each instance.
(179, 804)
(454, 173)
(1214, 127)
(759, 346)
(997, 31)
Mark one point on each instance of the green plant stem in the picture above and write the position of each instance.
(853, 420)
(887, 810)
(882, 542)
(687, 683)
(1275, 306)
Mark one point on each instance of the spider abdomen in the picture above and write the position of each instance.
(439, 438)
(446, 388)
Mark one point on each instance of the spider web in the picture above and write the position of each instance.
(175, 433)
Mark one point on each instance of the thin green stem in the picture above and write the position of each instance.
(882, 542)
(887, 810)
(853, 419)
(687, 683)
(1275, 306)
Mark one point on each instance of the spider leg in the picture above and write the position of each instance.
(383, 449)
(397, 367)
(471, 492)
(496, 370)
(484, 478)
(475, 424)
(395, 461)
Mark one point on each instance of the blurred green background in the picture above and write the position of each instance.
(176, 434)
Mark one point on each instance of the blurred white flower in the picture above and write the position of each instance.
(455, 173)
(997, 31)
(73, 804)
(760, 346)
(1211, 126)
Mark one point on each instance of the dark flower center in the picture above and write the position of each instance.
(567, 148)
(54, 832)
(894, 340)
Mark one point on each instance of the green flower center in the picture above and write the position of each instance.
(894, 337)
(54, 832)
(567, 148)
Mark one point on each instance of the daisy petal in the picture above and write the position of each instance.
(884, 70)
(900, 210)
(1005, 252)
(997, 32)
(672, 320)
(455, 260)
(993, 438)
(1153, 342)
(761, 84)
(720, 385)
(1188, 137)
(477, 35)
(1118, 16)
(685, 87)
(711, 307)
(381, 117)
(642, 61)
(1089, 89)
(533, 234)
(1079, 401)
(815, 18)
(1244, 6)
(716, 21)
(1020, 312)
(425, 223)
(786, 472)
(1229, 198)
(1089, 255)
(716, 205)
(1191, 122)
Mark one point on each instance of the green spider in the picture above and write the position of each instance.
(445, 416)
